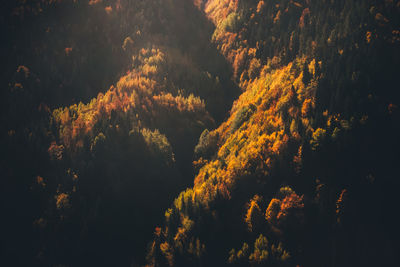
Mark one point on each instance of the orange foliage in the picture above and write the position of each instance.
(40, 181)
(254, 147)
(340, 205)
(140, 91)
(260, 6)
(297, 160)
(108, 9)
(191, 104)
(94, 2)
(55, 151)
(62, 201)
(272, 210)
(239, 62)
(68, 50)
(306, 108)
(254, 215)
(219, 10)
(306, 12)
(288, 204)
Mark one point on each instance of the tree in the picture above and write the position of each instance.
(254, 68)
(318, 138)
(128, 45)
(254, 217)
(207, 144)
(260, 254)
(242, 115)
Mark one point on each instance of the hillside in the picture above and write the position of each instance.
(288, 178)
(200, 133)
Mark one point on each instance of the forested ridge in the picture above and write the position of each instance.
(199, 133)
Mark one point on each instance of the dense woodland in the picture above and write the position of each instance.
(199, 133)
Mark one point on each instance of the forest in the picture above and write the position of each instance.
(166, 133)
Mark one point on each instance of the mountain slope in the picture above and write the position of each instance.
(293, 169)
(87, 182)
(199, 133)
